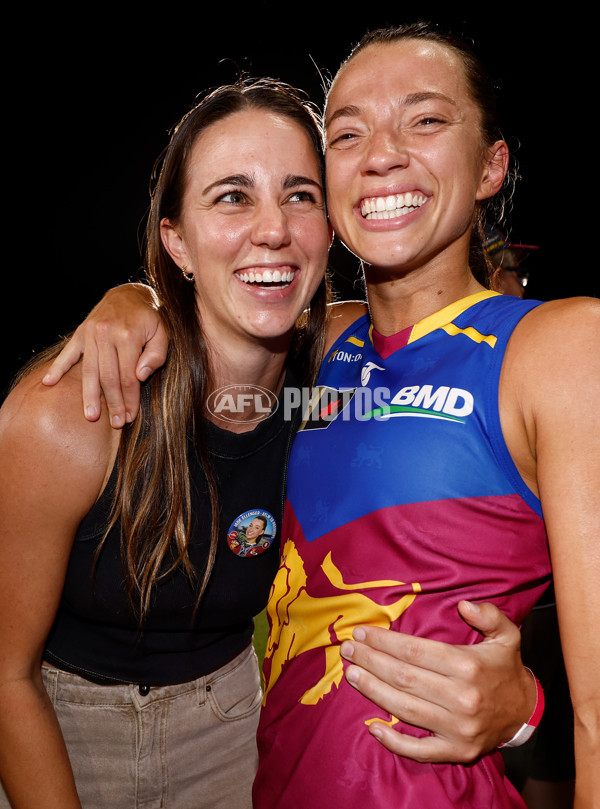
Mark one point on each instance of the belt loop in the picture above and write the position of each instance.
(50, 679)
(201, 689)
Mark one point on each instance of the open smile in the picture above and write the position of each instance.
(267, 278)
(392, 206)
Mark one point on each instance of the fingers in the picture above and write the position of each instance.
(68, 357)
(415, 679)
(154, 354)
(121, 373)
(451, 714)
(421, 709)
(491, 622)
(108, 365)
(471, 698)
(119, 385)
(433, 749)
(398, 648)
(91, 392)
(122, 341)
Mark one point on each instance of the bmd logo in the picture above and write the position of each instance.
(450, 404)
(328, 405)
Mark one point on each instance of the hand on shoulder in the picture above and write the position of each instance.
(120, 343)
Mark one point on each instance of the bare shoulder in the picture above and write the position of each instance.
(51, 412)
(550, 377)
(559, 318)
(52, 469)
(341, 316)
(44, 436)
(555, 341)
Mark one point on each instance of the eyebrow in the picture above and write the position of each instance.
(247, 181)
(416, 98)
(294, 180)
(244, 180)
(352, 111)
(349, 111)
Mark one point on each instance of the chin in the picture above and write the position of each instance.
(271, 334)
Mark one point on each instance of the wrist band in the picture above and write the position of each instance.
(525, 732)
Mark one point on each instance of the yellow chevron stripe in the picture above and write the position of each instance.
(472, 333)
(444, 318)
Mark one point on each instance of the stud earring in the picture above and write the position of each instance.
(189, 276)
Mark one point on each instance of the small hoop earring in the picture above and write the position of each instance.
(189, 276)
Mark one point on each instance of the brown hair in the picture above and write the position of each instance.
(483, 93)
(153, 499)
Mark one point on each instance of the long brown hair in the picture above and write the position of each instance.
(153, 500)
(482, 90)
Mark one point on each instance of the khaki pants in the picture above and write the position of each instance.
(187, 746)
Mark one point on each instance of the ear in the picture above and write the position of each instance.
(495, 169)
(497, 283)
(173, 242)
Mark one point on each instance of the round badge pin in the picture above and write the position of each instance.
(252, 533)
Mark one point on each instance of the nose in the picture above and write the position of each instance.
(270, 227)
(386, 151)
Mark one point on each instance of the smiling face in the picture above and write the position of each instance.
(253, 229)
(406, 161)
(256, 528)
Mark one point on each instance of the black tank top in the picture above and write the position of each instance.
(95, 633)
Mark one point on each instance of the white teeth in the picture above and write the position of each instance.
(392, 206)
(266, 276)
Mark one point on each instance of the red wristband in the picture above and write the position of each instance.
(525, 732)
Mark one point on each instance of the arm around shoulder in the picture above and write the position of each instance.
(122, 341)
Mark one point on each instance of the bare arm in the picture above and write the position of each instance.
(49, 477)
(123, 341)
(554, 376)
(120, 343)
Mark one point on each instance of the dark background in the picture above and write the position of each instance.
(91, 96)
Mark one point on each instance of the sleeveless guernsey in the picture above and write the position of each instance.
(402, 500)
